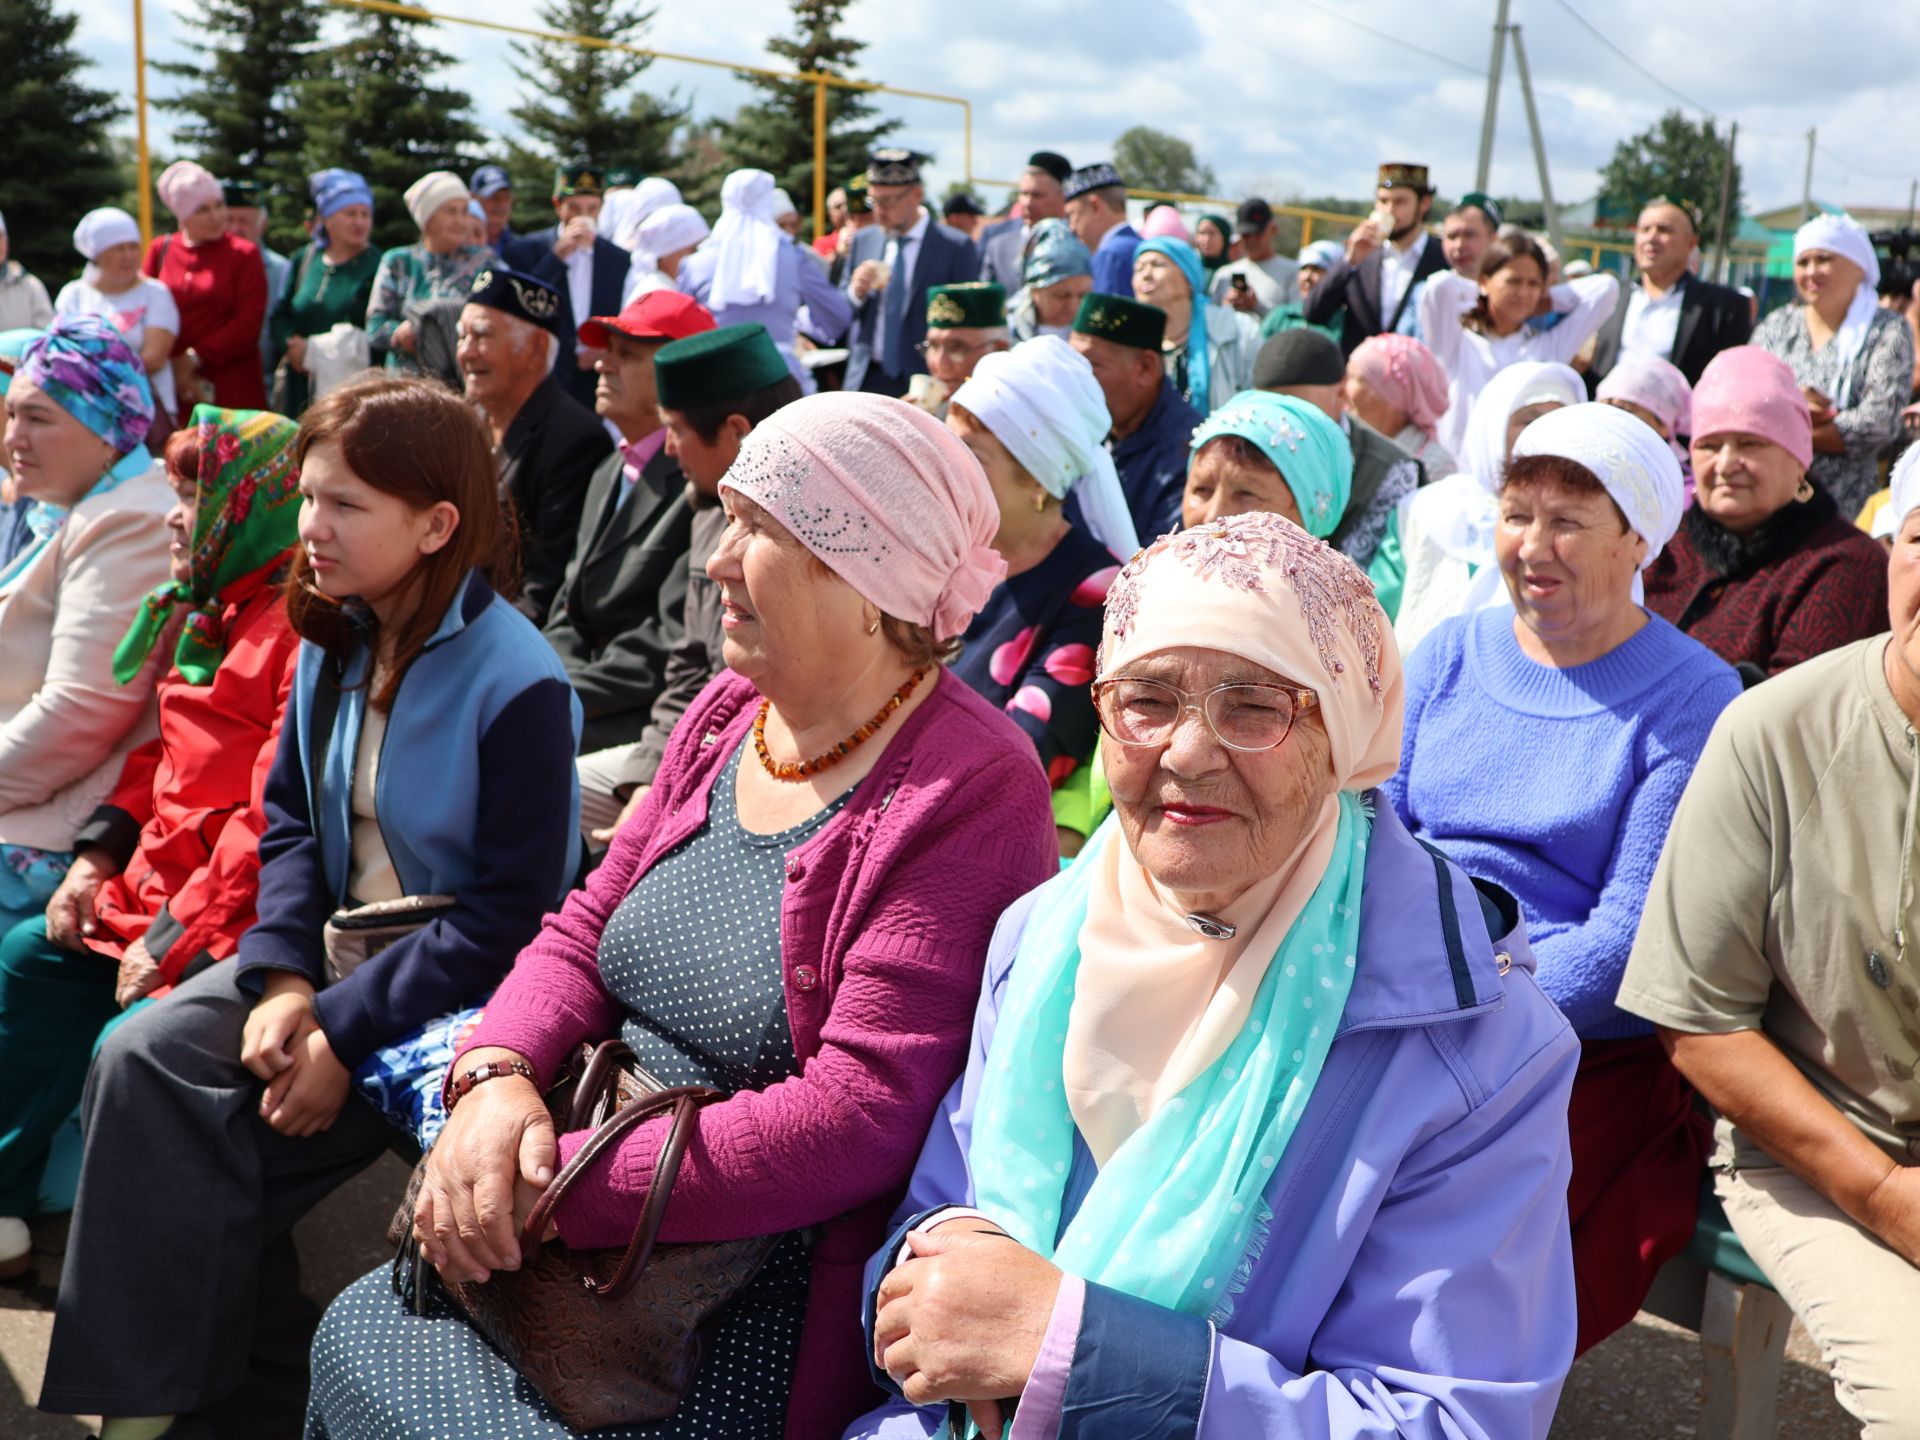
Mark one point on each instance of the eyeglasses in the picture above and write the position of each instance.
(1143, 712)
(948, 347)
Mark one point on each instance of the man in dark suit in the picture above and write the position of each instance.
(892, 266)
(1003, 245)
(1388, 255)
(1671, 313)
(619, 609)
(587, 269)
(547, 443)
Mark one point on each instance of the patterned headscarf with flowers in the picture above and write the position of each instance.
(247, 518)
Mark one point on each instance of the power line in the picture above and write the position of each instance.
(1848, 165)
(1393, 39)
(1592, 30)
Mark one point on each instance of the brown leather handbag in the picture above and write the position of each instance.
(601, 1351)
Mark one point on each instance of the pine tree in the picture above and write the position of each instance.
(371, 106)
(775, 133)
(243, 123)
(59, 161)
(573, 110)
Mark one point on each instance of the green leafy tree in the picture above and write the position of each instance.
(572, 107)
(60, 162)
(775, 133)
(372, 106)
(238, 98)
(1678, 158)
(1150, 159)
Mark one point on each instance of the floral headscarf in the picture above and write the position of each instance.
(85, 365)
(1309, 450)
(249, 494)
(1054, 254)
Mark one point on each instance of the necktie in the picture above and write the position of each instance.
(895, 316)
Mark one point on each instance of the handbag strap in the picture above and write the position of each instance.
(684, 1101)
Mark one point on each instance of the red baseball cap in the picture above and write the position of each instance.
(656, 315)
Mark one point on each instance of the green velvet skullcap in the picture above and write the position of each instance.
(981, 305)
(716, 366)
(1123, 321)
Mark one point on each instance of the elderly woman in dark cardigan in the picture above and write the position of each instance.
(797, 914)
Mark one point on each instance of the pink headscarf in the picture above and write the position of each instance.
(886, 497)
(1403, 373)
(1165, 221)
(1656, 386)
(184, 187)
(1749, 391)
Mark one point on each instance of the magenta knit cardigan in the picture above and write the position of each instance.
(884, 930)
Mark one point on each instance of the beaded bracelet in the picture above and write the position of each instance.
(492, 1070)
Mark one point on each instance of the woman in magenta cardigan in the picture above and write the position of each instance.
(798, 914)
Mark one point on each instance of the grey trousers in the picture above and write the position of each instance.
(180, 1294)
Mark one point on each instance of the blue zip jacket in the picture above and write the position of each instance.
(476, 798)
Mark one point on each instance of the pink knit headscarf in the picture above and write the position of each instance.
(1403, 373)
(886, 497)
(1749, 391)
(184, 187)
(1165, 221)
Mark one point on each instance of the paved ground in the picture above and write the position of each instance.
(1643, 1384)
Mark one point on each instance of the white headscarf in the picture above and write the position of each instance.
(1041, 401)
(100, 230)
(1626, 455)
(634, 207)
(1846, 237)
(748, 269)
(1902, 496)
(783, 205)
(671, 228)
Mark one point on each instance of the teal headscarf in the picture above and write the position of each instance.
(1309, 450)
(1199, 363)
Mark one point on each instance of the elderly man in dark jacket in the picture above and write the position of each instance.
(547, 444)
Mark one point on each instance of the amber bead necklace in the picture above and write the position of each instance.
(807, 769)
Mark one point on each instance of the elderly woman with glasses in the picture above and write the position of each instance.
(1234, 1072)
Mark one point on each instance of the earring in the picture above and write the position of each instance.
(1805, 492)
(874, 628)
(1040, 502)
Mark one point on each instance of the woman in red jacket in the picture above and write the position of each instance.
(163, 880)
(219, 281)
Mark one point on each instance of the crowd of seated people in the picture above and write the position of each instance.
(1186, 912)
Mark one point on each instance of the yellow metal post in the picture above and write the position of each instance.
(819, 157)
(143, 171)
(1306, 232)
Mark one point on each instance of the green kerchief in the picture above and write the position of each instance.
(717, 366)
(1123, 321)
(248, 518)
(981, 305)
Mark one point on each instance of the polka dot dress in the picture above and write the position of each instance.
(694, 954)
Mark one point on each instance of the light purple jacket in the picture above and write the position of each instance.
(1418, 1280)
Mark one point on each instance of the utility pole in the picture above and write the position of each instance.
(1726, 199)
(1539, 141)
(1493, 98)
(1913, 194)
(1806, 188)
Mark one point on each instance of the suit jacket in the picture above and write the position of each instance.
(1002, 251)
(534, 255)
(1712, 318)
(620, 607)
(547, 458)
(946, 258)
(1357, 289)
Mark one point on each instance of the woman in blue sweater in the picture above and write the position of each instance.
(1546, 746)
(426, 750)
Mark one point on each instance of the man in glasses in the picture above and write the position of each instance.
(964, 322)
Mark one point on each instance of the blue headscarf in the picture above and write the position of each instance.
(1309, 450)
(1199, 364)
(333, 191)
(84, 364)
(1054, 253)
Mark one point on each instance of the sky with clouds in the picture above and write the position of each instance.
(1289, 96)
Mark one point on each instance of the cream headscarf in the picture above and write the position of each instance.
(1154, 1003)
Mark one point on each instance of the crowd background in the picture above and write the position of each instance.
(948, 666)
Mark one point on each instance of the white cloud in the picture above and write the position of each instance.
(1286, 93)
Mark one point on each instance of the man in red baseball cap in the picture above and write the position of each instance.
(617, 612)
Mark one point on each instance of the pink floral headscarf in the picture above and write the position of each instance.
(1403, 373)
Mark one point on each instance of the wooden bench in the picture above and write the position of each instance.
(1714, 1289)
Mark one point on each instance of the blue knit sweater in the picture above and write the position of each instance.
(1558, 785)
